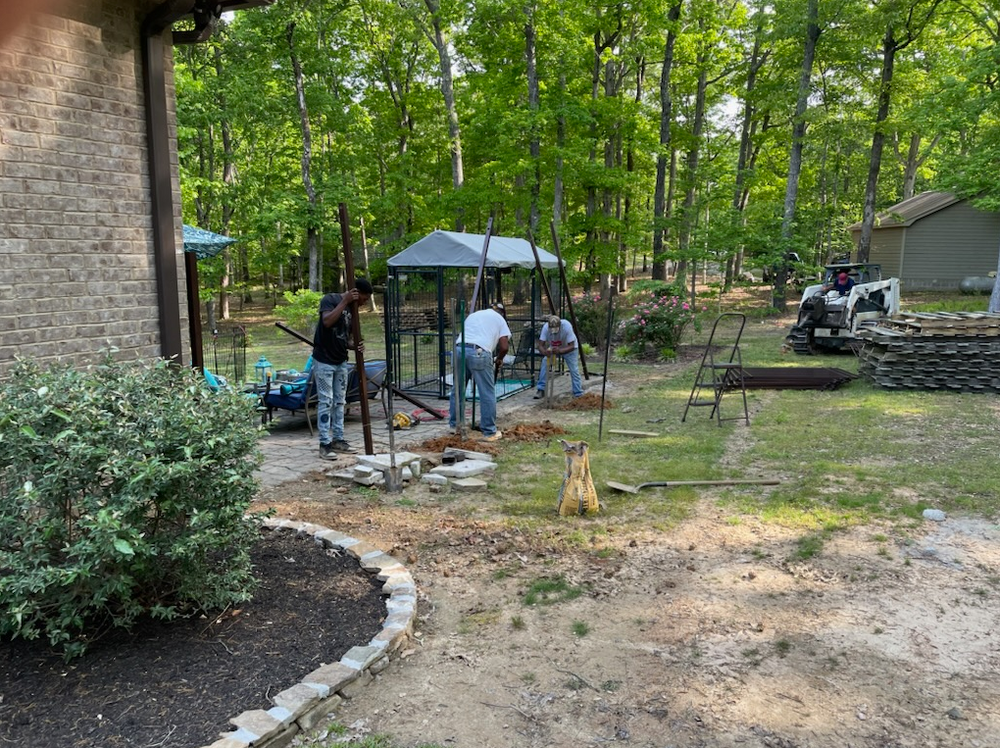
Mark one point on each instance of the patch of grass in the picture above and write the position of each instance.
(964, 303)
(551, 590)
(368, 493)
(478, 619)
(517, 623)
(610, 686)
(808, 546)
(782, 647)
(581, 628)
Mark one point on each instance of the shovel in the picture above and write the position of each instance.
(671, 483)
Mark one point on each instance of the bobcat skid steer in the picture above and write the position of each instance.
(830, 322)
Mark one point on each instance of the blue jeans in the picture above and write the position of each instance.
(478, 367)
(331, 387)
(572, 360)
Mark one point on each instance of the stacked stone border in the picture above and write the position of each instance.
(307, 704)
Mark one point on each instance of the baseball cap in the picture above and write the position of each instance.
(554, 321)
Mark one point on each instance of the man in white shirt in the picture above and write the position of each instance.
(557, 337)
(486, 341)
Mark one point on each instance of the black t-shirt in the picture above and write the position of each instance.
(330, 343)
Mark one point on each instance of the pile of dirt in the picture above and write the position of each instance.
(441, 443)
(533, 432)
(586, 401)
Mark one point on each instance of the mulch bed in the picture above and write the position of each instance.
(177, 684)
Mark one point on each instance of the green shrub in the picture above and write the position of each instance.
(302, 310)
(645, 286)
(123, 492)
(591, 318)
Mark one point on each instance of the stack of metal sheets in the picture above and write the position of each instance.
(789, 378)
(957, 351)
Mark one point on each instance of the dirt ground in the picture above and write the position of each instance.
(704, 636)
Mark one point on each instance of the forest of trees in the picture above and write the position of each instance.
(653, 135)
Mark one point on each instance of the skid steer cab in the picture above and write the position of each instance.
(831, 313)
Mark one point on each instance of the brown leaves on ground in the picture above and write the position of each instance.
(587, 401)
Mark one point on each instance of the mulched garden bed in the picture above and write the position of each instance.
(176, 685)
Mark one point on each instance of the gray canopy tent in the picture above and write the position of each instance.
(428, 279)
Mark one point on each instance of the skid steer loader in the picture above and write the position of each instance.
(829, 321)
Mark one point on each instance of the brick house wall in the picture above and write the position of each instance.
(77, 270)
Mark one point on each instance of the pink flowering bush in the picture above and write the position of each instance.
(657, 322)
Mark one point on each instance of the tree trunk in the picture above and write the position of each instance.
(889, 48)
(312, 234)
(437, 38)
(795, 156)
(689, 217)
(534, 146)
(557, 179)
(757, 60)
(659, 270)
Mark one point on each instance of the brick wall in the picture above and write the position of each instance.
(76, 253)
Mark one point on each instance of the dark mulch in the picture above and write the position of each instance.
(176, 685)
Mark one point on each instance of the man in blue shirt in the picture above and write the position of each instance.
(842, 284)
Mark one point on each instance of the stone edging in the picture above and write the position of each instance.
(306, 704)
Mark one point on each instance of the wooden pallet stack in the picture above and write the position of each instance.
(955, 351)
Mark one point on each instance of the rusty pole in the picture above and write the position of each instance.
(359, 358)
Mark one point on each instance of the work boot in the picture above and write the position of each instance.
(539, 394)
(339, 445)
(494, 437)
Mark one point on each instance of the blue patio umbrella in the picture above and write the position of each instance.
(198, 244)
(202, 243)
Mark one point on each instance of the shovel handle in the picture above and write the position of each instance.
(756, 482)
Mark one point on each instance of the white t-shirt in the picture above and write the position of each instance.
(485, 328)
(564, 336)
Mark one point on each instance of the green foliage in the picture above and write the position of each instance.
(657, 321)
(591, 318)
(123, 492)
(302, 310)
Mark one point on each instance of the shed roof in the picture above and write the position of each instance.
(910, 210)
(453, 249)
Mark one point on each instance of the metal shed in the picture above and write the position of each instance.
(432, 279)
(933, 241)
